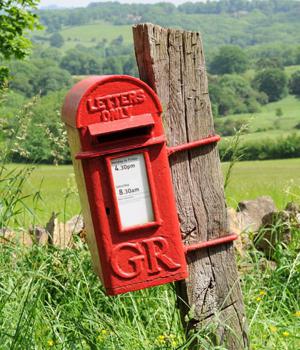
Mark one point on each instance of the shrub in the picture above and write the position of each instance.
(272, 82)
(230, 59)
(232, 94)
(45, 140)
(294, 84)
(278, 112)
(284, 147)
(229, 126)
(56, 40)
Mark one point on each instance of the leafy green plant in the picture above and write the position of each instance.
(235, 151)
(12, 181)
(272, 294)
(16, 18)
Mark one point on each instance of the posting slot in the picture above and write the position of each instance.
(140, 125)
(120, 136)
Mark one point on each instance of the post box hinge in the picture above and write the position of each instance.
(210, 243)
(194, 144)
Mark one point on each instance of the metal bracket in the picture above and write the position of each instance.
(187, 146)
(210, 243)
(194, 144)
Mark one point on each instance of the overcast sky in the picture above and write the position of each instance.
(77, 3)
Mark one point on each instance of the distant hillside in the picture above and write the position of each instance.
(245, 23)
(252, 51)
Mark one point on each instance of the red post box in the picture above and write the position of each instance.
(121, 166)
(122, 171)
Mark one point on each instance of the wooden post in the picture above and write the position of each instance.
(172, 63)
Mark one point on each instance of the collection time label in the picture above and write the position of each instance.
(132, 190)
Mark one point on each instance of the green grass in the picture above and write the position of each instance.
(50, 298)
(58, 192)
(276, 178)
(91, 34)
(272, 298)
(248, 180)
(98, 31)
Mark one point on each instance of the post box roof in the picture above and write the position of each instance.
(95, 90)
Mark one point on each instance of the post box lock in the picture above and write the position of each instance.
(121, 166)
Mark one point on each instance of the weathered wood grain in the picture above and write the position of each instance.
(172, 63)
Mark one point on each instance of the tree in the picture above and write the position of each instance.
(232, 94)
(230, 59)
(269, 62)
(37, 76)
(273, 82)
(112, 65)
(297, 58)
(52, 79)
(294, 84)
(118, 41)
(16, 17)
(129, 67)
(50, 53)
(22, 77)
(56, 40)
(80, 61)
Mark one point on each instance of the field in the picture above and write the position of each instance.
(267, 124)
(279, 179)
(58, 302)
(266, 120)
(276, 178)
(91, 34)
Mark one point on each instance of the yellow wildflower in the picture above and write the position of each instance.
(50, 342)
(262, 293)
(258, 299)
(174, 344)
(103, 334)
(285, 334)
(297, 313)
(273, 329)
(161, 338)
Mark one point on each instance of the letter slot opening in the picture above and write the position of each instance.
(139, 125)
(125, 134)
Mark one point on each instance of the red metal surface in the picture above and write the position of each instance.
(110, 148)
(194, 144)
(103, 110)
(145, 120)
(210, 243)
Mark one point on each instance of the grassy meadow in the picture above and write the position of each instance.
(267, 124)
(51, 299)
(57, 189)
(276, 178)
(91, 34)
